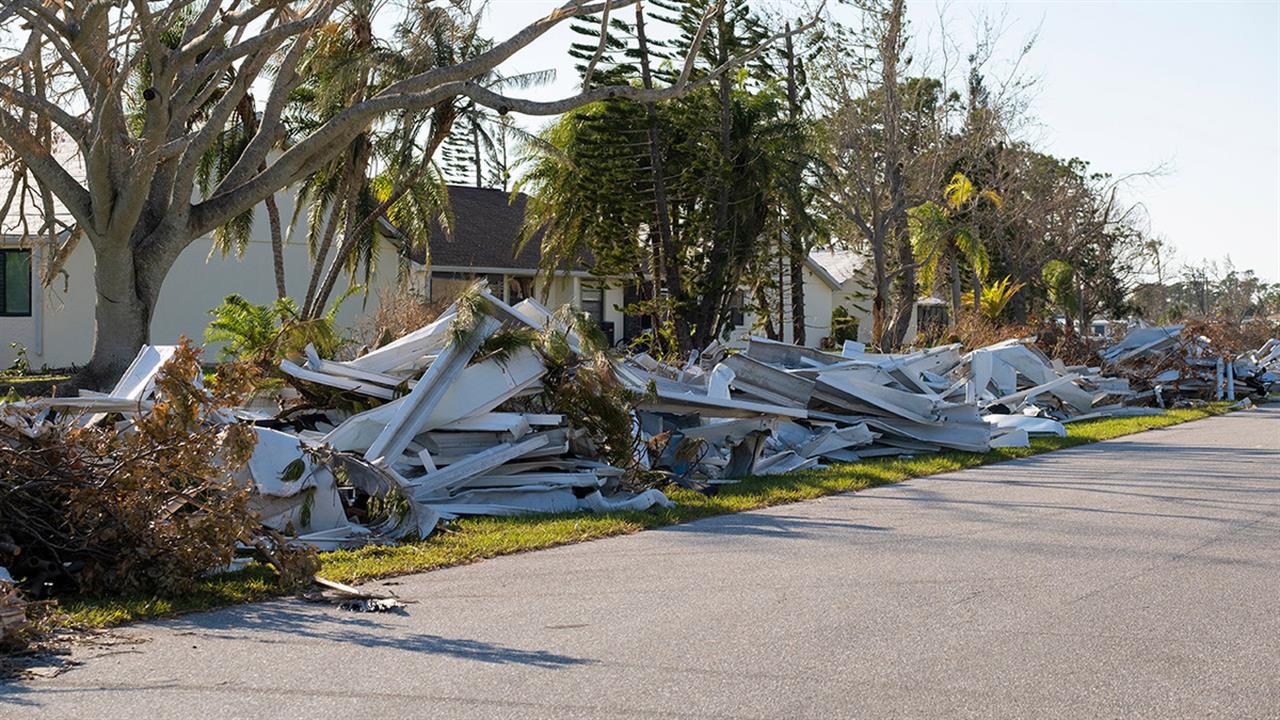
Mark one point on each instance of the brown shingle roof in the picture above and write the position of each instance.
(486, 224)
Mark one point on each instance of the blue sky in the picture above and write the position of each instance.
(1192, 88)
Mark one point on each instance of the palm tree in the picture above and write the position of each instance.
(387, 169)
(482, 139)
(943, 235)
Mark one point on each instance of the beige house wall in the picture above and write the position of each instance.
(60, 332)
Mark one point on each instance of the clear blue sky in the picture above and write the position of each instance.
(1193, 87)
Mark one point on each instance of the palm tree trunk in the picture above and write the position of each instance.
(798, 253)
(352, 227)
(277, 245)
(326, 241)
(955, 285)
(977, 290)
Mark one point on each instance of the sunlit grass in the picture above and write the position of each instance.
(473, 539)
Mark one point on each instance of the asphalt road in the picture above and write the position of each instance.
(1134, 578)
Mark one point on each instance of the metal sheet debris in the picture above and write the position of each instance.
(446, 424)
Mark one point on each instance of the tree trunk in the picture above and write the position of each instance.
(1086, 318)
(880, 294)
(277, 246)
(720, 265)
(326, 241)
(127, 282)
(475, 150)
(798, 252)
(956, 300)
(352, 226)
(896, 222)
(906, 278)
(665, 267)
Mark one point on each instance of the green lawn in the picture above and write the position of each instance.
(473, 539)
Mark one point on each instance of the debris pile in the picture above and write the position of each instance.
(494, 409)
(1167, 367)
(139, 504)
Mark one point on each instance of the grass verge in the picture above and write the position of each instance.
(474, 539)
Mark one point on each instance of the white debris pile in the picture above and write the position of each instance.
(1168, 366)
(460, 417)
(439, 442)
(779, 408)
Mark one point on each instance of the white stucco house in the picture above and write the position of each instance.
(53, 321)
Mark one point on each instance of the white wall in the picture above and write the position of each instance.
(855, 296)
(819, 301)
(197, 283)
(564, 290)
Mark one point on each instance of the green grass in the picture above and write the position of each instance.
(473, 539)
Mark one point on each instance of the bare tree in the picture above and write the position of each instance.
(143, 89)
(873, 163)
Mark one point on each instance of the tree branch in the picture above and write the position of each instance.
(692, 57)
(46, 169)
(604, 41)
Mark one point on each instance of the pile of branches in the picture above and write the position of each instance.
(147, 505)
(1233, 337)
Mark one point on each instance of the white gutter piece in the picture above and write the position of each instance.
(838, 439)
(319, 364)
(692, 401)
(101, 404)
(138, 381)
(1011, 437)
(474, 465)
(551, 479)
(1064, 388)
(841, 389)
(424, 396)
(718, 383)
(730, 432)
(596, 502)
(140, 377)
(980, 370)
(959, 435)
(410, 348)
(784, 462)
(292, 369)
(515, 423)
(479, 389)
(768, 383)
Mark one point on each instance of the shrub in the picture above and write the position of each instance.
(266, 334)
(843, 326)
(147, 506)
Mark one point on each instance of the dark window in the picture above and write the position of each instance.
(736, 314)
(593, 303)
(15, 283)
(931, 321)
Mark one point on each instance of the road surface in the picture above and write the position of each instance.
(1133, 578)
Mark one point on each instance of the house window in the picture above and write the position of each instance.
(15, 283)
(593, 303)
(737, 315)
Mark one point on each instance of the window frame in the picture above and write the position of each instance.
(582, 301)
(4, 262)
